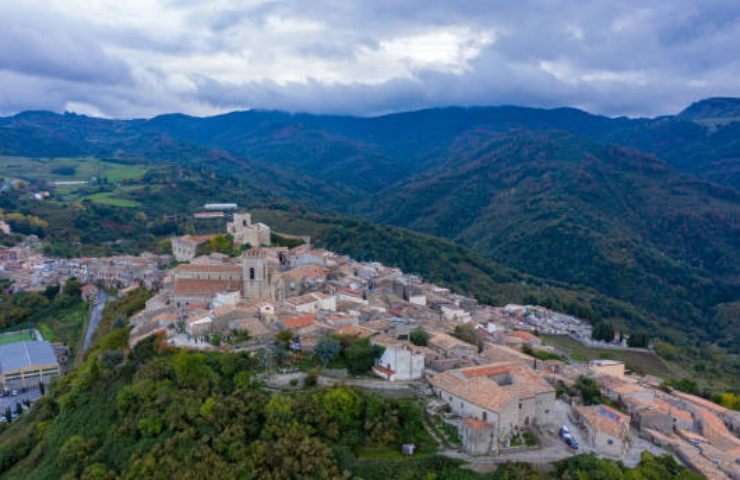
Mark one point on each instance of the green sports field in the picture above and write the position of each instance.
(12, 337)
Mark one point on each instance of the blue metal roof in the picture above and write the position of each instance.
(14, 356)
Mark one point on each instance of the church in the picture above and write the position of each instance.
(255, 275)
(244, 232)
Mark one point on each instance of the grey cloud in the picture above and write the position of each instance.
(34, 44)
(628, 57)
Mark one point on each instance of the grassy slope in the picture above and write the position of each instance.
(645, 362)
(85, 167)
(66, 326)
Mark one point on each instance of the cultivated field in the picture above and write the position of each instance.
(645, 362)
(68, 169)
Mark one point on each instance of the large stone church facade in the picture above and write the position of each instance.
(255, 277)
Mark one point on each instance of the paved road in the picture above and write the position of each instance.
(95, 315)
(31, 394)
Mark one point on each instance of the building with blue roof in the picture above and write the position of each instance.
(27, 363)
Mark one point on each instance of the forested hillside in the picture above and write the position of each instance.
(642, 210)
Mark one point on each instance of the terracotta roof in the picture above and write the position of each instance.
(526, 336)
(475, 384)
(445, 341)
(384, 370)
(487, 370)
(209, 268)
(304, 271)
(190, 287)
(301, 300)
(476, 424)
(354, 331)
(605, 419)
(480, 391)
(195, 238)
(252, 325)
(299, 321)
(385, 340)
(501, 353)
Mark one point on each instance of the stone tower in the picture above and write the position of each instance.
(255, 275)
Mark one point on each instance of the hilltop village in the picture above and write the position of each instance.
(492, 389)
(485, 370)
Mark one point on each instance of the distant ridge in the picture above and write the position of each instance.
(716, 107)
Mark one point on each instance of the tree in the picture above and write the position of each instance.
(515, 471)
(419, 337)
(665, 350)
(466, 333)
(284, 336)
(74, 450)
(345, 405)
(221, 244)
(589, 390)
(328, 349)
(191, 369)
(51, 291)
(361, 355)
(603, 331)
(73, 289)
(638, 340)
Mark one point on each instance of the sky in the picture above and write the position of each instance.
(140, 58)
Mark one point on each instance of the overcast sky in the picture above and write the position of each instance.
(139, 58)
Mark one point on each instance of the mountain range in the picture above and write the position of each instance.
(645, 210)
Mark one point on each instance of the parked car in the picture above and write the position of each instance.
(14, 393)
(564, 431)
(571, 442)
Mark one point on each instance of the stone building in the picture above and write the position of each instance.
(477, 436)
(400, 360)
(449, 352)
(607, 367)
(27, 363)
(199, 284)
(508, 396)
(185, 248)
(261, 277)
(244, 232)
(607, 429)
(256, 277)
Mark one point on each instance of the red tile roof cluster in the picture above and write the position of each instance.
(299, 321)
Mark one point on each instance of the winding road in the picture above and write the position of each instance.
(95, 315)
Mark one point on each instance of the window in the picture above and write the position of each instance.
(251, 273)
(610, 442)
(484, 416)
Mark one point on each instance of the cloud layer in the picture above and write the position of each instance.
(139, 58)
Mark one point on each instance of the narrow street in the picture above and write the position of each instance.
(95, 315)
